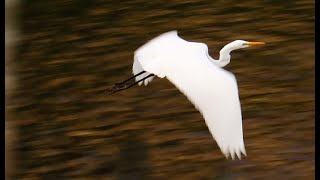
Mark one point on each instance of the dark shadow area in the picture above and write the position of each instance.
(133, 159)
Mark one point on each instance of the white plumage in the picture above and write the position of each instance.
(210, 88)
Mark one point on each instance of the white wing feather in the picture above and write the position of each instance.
(214, 93)
(211, 89)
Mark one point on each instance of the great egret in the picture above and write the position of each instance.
(210, 88)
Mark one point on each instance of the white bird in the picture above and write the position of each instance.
(211, 89)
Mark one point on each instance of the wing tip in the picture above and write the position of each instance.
(234, 152)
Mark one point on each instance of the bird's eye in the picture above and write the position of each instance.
(243, 44)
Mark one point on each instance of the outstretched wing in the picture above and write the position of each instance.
(214, 93)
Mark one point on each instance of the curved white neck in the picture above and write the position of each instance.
(225, 57)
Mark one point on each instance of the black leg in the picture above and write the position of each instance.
(120, 86)
(142, 72)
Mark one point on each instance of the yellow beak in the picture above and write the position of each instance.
(255, 43)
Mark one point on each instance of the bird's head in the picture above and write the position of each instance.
(238, 44)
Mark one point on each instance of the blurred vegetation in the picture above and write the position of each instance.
(70, 51)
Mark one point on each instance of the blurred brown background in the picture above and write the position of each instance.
(70, 51)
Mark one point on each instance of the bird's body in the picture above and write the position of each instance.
(166, 50)
(201, 79)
